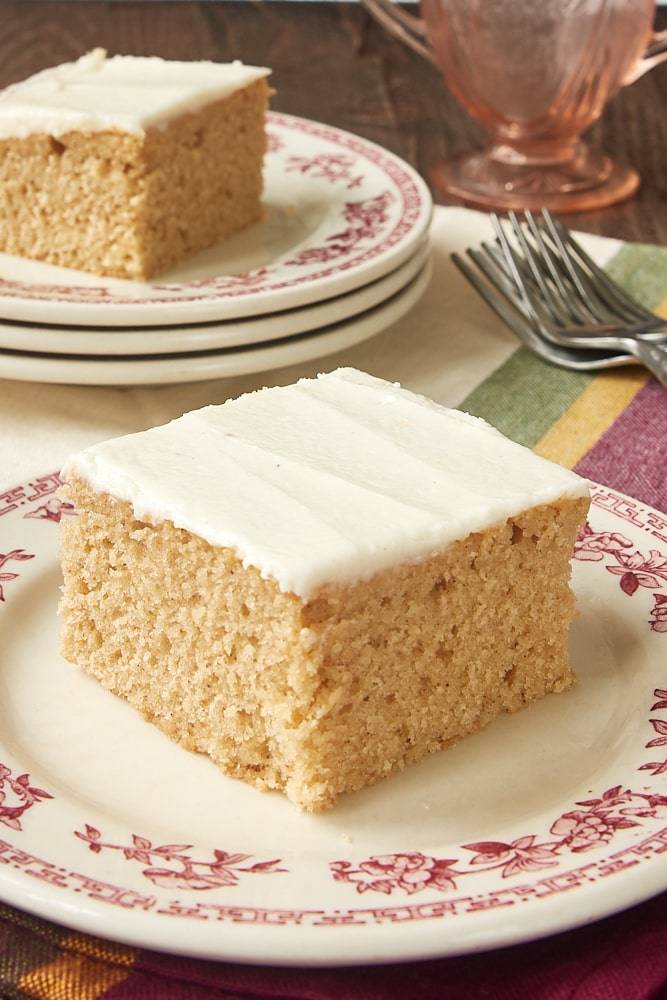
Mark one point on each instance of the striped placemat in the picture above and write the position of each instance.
(609, 426)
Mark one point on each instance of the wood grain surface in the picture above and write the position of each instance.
(332, 63)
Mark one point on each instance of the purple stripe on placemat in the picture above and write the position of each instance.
(623, 458)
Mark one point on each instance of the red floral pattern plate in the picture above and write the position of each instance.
(340, 212)
(547, 820)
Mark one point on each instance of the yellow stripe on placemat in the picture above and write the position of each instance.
(84, 970)
(590, 415)
(641, 270)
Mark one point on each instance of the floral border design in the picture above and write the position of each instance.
(634, 569)
(332, 167)
(16, 555)
(657, 767)
(593, 823)
(221, 873)
(52, 510)
(17, 795)
(365, 220)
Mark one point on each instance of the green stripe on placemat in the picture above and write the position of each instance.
(641, 270)
(525, 396)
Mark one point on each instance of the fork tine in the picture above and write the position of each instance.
(544, 295)
(585, 288)
(528, 279)
(589, 306)
(504, 308)
(511, 264)
(507, 310)
(493, 263)
(496, 299)
(535, 271)
(493, 266)
(570, 306)
(557, 291)
(514, 268)
(500, 294)
(608, 291)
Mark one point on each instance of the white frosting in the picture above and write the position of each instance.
(327, 480)
(129, 93)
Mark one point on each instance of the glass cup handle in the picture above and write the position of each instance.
(408, 28)
(654, 53)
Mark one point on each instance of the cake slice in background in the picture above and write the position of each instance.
(125, 166)
(320, 583)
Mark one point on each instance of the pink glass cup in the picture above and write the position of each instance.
(535, 74)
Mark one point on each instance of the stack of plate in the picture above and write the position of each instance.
(342, 252)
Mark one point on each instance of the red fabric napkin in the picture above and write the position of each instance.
(623, 957)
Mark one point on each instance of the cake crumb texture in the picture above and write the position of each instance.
(321, 696)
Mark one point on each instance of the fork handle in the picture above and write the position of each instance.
(653, 357)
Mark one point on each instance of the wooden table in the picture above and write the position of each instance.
(332, 63)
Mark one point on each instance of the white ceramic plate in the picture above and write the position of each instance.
(547, 820)
(126, 341)
(199, 366)
(340, 212)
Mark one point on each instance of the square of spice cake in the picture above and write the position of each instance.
(320, 583)
(125, 166)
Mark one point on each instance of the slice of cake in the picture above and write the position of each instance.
(320, 583)
(125, 166)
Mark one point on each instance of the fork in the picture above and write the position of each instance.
(565, 296)
(575, 285)
(575, 359)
